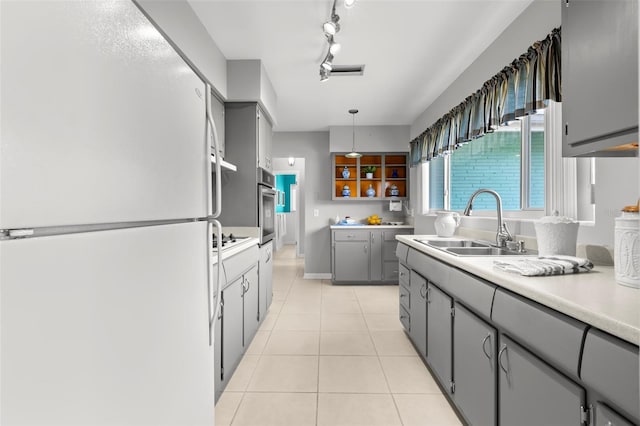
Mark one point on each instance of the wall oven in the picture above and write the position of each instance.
(266, 206)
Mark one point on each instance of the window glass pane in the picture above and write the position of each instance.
(536, 171)
(436, 183)
(493, 162)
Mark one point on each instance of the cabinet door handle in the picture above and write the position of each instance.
(365, 248)
(506, 372)
(484, 343)
(373, 239)
(427, 295)
(423, 295)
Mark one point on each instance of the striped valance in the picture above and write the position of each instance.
(519, 89)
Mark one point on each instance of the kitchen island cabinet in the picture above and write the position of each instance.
(519, 350)
(365, 254)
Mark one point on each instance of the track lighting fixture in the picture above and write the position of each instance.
(331, 28)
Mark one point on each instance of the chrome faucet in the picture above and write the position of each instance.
(503, 235)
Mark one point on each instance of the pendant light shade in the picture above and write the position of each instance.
(353, 153)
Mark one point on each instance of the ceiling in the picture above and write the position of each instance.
(412, 50)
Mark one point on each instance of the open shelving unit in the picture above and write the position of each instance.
(391, 169)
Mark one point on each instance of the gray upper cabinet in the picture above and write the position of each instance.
(265, 143)
(439, 334)
(599, 77)
(418, 313)
(474, 367)
(534, 394)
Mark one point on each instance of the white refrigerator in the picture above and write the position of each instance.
(105, 242)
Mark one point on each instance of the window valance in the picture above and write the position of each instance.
(519, 89)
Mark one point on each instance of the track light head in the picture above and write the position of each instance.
(327, 63)
(349, 3)
(334, 46)
(331, 27)
(324, 74)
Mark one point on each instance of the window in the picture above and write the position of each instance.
(523, 163)
(510, 161)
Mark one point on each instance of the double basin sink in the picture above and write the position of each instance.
(473, 248)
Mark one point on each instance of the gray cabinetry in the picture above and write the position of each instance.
(610, 367)
(439, 334)
(605, 416)
(532, 393)
(266, 279)
(474, 367)
(250, 305)
(351, 255)
(599, 76)
(418, 313)
(375, 270)
(232, 329)
(264, 141)
(364, 255)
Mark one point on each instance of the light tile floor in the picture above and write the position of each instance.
(330, 355)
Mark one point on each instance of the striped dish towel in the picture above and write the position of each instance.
(545, 265)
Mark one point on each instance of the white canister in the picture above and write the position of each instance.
(446, 223)
(627, 248)
(557, 235)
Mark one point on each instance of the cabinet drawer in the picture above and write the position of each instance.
(610, 366)
(351, 235)
(405, 297)
(240, 263)
(404, 275)
(554, 336)
(404, 318)
(401, 252)
(428, 267)
(473, 292)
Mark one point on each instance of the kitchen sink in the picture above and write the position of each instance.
(473, 248)
(454, 243)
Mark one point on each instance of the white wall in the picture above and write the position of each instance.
(314, 148)
(369, 138)
(180, 24)
(535, 23)
(247, 80)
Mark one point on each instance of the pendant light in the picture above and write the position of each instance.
(353, 153)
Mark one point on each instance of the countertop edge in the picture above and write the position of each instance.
(371, 226)
(549, 290)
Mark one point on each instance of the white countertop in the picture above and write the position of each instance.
(237, 248)
(592, 297)
(370, 226)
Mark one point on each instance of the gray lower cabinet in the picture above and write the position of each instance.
(265, 295)
(418, 313)
(605, 416)
(439, 334)
(351, 260)
(250, 305)
(364, 255)
(474, 367)
(232, 333)
(532, 393)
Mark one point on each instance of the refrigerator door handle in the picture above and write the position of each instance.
(214, 301)
(211, 126)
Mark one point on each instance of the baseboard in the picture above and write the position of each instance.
(326, 276)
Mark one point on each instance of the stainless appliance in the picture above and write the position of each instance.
(266, 206)
(106, 221)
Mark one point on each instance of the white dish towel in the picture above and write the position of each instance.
(545, 265)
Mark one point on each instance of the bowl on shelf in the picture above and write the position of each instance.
(396, 223)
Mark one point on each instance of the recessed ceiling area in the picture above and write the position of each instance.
(412, 50)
